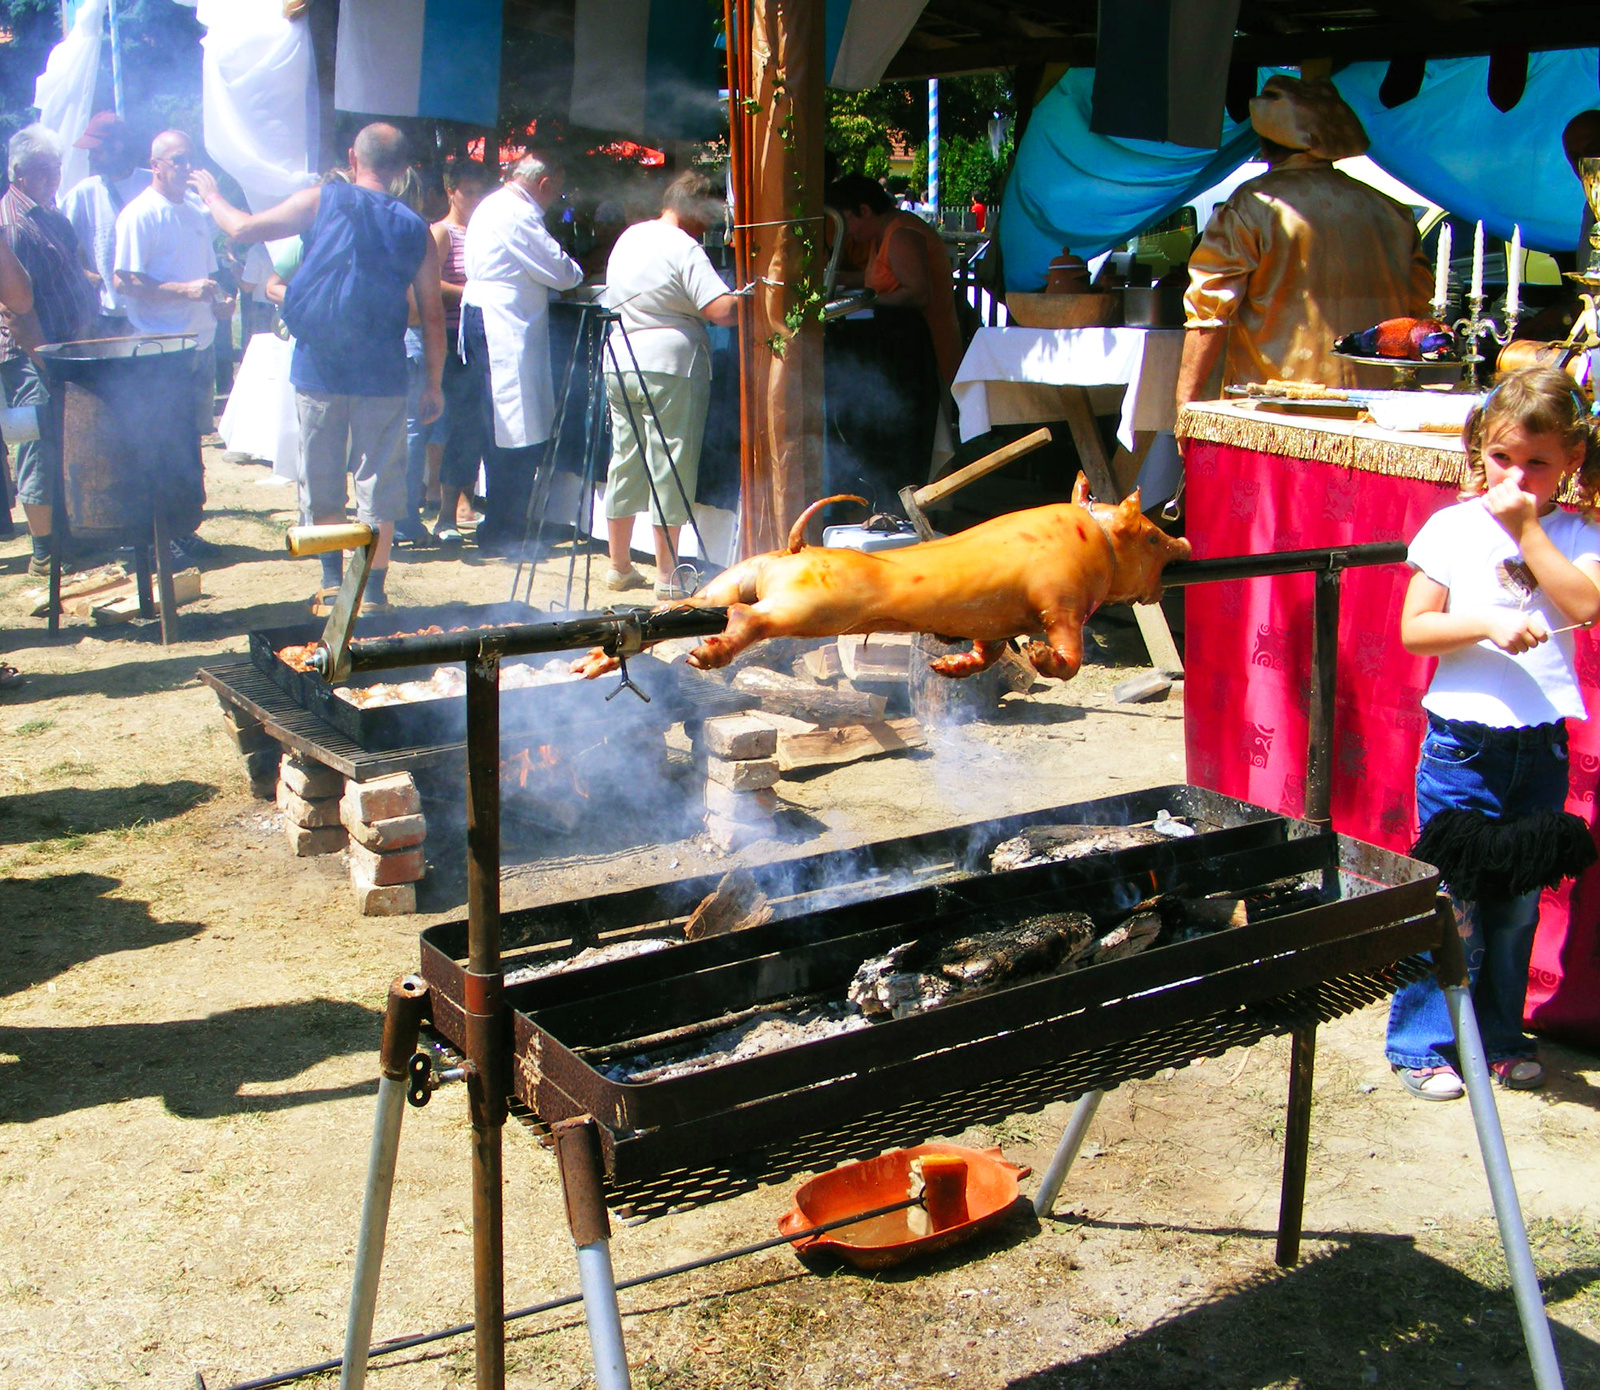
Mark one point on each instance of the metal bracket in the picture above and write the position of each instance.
(627, 639)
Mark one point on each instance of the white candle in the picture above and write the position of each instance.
(1514, 272)
(1441, 274)
(1477, 263)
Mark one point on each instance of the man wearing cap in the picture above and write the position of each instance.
(1300, 255)
(93, 204)
(63, 308)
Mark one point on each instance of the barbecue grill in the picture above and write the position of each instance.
(700, 1136)
(1358, 920)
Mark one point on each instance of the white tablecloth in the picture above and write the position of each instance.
(260, 418)
(1145, 360)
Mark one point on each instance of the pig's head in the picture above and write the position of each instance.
(1141, 548)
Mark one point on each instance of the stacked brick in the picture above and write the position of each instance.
(261, 751)
(741, 776)
(308, 796)
(386, 828)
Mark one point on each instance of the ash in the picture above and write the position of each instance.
(766, 1032)
(1050, 844)
(593, 955)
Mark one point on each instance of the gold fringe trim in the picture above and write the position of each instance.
(1364, 453)
(1342, 447)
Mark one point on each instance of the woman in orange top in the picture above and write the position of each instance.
(909, 267)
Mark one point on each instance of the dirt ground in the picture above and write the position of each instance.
(188, 1030)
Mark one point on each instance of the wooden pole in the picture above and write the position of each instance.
(781, 453)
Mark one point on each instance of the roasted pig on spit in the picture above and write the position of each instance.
(1041, 570)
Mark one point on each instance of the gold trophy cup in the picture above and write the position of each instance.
(1589, 177)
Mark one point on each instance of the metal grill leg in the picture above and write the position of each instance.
(1451, 967)
(578, 1153)
(1296, 1144)
(407, 1000)
(1072, 1138)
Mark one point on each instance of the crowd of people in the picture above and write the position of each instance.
(418, 308)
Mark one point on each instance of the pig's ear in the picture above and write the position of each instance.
(1080, 491)
(1129, 508)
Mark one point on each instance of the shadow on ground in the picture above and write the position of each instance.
(196, 1065)
(67, 811)
(55, 923)
(1375, 1311)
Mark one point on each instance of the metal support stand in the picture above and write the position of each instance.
(1066, 1153)
(1296, 1145)
(487, 1080)
(1324, 682)
(578, 1154)
(1450, 966)
(408, 1001)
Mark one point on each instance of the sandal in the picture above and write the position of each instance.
(322, 601)
(10, 676)
(1430, 1083)
(1518, 1073)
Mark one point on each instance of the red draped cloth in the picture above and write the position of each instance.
(1248, 675)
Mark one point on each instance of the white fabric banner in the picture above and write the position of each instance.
(64, 92)
(609, 64)
(378, 61)
(872, 36)
(259, 97)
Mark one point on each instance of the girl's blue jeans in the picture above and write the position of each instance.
(1504, 773)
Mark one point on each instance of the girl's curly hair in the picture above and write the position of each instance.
(1539, 400)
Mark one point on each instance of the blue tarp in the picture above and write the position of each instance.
(1072, 188)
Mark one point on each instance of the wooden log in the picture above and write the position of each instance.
(881, 656)
(822, 664)
(736, 903)
(787, 695)
(834, 746)
(939, 701)
(118, 607)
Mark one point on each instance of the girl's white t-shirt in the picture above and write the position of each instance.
(1467, 551)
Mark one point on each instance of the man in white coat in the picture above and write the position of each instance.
(513, 264)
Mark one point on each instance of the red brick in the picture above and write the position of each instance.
(386, 836)
(745, 775)
(326, 839)
(383, 899)
(382, 799)
(729, 835)
(313, 815)
(310, 779)
(403, 866)
(738, 736)
(740, 806)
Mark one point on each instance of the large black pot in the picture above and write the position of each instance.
(128, 435)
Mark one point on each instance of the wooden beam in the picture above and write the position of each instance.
(1544, 29)
(911, 64)
(1539, 29)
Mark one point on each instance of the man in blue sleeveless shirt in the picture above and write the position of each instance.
(347, 309)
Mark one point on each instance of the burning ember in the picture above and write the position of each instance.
(545, 768)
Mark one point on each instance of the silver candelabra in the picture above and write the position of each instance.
(1474, 326)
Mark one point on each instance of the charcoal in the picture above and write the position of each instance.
(920, 975)
(1050, 844)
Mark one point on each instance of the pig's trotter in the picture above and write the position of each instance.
(1064, 654)
(745, 625)
(982, 656)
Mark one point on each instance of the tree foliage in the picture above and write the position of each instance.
(863, 126)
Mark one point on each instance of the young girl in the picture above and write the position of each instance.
(1495, 576)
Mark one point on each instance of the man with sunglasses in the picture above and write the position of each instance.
(165, 267)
